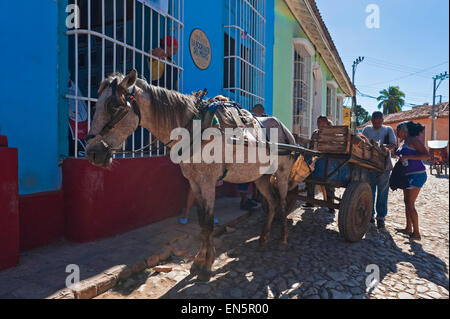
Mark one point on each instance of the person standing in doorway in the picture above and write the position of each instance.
(258, 110)
(163, 73)
(384, 135)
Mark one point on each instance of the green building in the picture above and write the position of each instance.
(309, 78)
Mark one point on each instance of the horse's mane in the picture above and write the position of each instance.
(168, 108)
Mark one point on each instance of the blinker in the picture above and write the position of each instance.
(114, 86)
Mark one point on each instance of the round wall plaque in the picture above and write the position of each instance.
(200, 49)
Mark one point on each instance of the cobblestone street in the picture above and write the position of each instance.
(318, 262)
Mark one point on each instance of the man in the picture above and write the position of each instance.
(384, 135)
(246, 203)
(258, 110)
(162, 73)
(327, 191)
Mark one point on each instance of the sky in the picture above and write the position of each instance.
(410, 46)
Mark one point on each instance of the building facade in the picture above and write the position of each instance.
(244, 49)
(309, 77)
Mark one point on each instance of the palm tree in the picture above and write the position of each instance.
(392, 100)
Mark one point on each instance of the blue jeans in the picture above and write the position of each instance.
(381, 189)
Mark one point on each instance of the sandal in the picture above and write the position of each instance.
(415, 237)
(403, 231)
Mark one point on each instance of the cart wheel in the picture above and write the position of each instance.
(355, 211)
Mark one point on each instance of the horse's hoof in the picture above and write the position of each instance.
(283, 246)
(204, 275)
(195, 268)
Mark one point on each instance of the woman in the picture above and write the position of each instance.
(411, 153)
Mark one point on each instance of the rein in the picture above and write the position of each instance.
(131, 104)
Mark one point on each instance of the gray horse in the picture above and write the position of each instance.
(125, 102)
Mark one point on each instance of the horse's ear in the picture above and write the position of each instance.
(103, 86)
(129, 80)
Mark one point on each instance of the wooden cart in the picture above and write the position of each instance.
(348, 161)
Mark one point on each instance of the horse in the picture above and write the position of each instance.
(126, 102)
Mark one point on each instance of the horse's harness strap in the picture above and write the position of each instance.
(131, 104)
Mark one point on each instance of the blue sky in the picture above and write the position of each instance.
(408, 49)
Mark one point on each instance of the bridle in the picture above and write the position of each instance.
(117, 111)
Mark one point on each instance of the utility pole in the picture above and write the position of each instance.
(353, 116)
(441, 77)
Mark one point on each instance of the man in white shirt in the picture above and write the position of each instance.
(386, 136)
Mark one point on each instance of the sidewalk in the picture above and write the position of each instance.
(41, 273)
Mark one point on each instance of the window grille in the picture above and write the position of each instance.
(331, 103)
(244, 51)
(339, 109)
(301, 91)
(117, 36)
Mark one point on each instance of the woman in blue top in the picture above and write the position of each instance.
(411, 153)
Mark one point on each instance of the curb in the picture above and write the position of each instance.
(99, 284)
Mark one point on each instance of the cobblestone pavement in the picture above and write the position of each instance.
(318, 262)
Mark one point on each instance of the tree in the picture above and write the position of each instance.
(391, 100)
(362, 116)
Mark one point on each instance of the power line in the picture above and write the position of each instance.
(393, 69)
(394, 66)
(411, 74)
(402, 67)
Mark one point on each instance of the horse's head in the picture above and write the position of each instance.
(116, 117)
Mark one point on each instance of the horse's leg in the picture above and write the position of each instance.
(264, 187)
(283, 189)
(282, 176)
(202, 265)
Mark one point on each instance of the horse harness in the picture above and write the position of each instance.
(117, 110)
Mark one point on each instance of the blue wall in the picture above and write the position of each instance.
(33, 110)
(270, 42)
(29, 88)
(208, 16)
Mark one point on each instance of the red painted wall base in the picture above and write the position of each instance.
(9, 208)
(41, 219)
(130, 194)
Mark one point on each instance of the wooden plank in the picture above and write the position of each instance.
(332, 138)
(337, 129)
(333, 148)
(363, 163)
